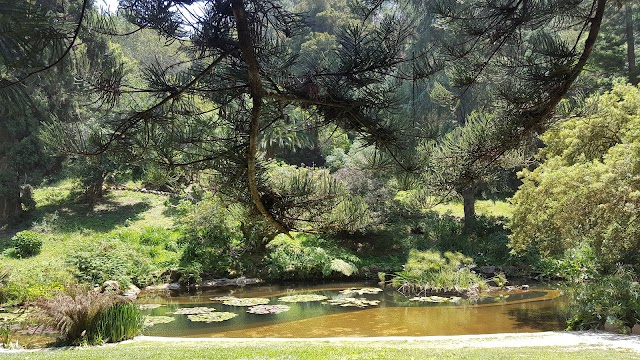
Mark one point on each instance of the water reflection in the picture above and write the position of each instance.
(539, 309)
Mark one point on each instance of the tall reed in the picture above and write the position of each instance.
(121, 321)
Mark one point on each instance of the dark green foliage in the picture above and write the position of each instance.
(97, 266)
(577, 264)
(127, 256)
(119, 322)
(308, 257)
(27, 243)
(26, 198)
(487, 242)
(222, 238)
(613, 298)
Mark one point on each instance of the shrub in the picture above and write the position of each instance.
(121, 321)
(577, 264)
(222, 238)
(429, 271)
(112, 260)
(73, 311)
(27, 243)
(586, 192)
(306, 257)
(486, 242)
(613, 298)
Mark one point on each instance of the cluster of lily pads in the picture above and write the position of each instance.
(268, 309)
(149, 306)
(204, 314)
(302, 298)
(351, 291)
(353, 302)
(150, 320)
(258, 306)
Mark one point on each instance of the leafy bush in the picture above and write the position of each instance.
(577, 264)
(613, 298)
(307, 257)
(73, 311)
(27, 243)
(586, 191)
(121, 321)
(487, 242)
(221, 238)
(111, 259)
(18, 288)
(429, 271)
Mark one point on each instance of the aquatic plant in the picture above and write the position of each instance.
(149, 306)
(353, 302)
(212, 317)
(268, 309)
(5, 336)
(194, 311)
(429, 272)
(302, 298)
(73, 311)
(122, 321)
(437, 299)
(352, 291)
(223, 298)
(246, 301)
(155, 320)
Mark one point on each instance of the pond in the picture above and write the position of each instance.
(385, 313)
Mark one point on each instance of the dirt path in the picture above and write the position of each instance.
(544, 339)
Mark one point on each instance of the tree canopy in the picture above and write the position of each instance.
(586, 190)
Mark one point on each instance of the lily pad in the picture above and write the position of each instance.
(302, 298)
(155, 320)
(194, 311)
(351, 291)
(223, 298)
(246, 301)
(268, 309)
(353, 302)
(212, 317)
(149, 306)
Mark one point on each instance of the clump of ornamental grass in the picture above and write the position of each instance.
(74, 312)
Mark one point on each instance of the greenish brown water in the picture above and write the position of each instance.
(539, 309)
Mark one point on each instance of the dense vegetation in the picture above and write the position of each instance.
(415, 141)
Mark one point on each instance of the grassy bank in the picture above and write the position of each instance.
(71, 228)
(131, 237)
(381, 349)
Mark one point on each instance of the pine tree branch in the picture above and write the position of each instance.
(66, 52)
(246, 45)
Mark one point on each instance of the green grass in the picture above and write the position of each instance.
(318, 350)
(68, 226)
(492, 208)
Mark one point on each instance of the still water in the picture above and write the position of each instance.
(539, 309)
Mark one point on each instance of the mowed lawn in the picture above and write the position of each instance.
(257, 349)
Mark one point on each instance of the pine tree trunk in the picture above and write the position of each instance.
(10, 208)
(631, 53)
(469, 203)
(245, 43)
